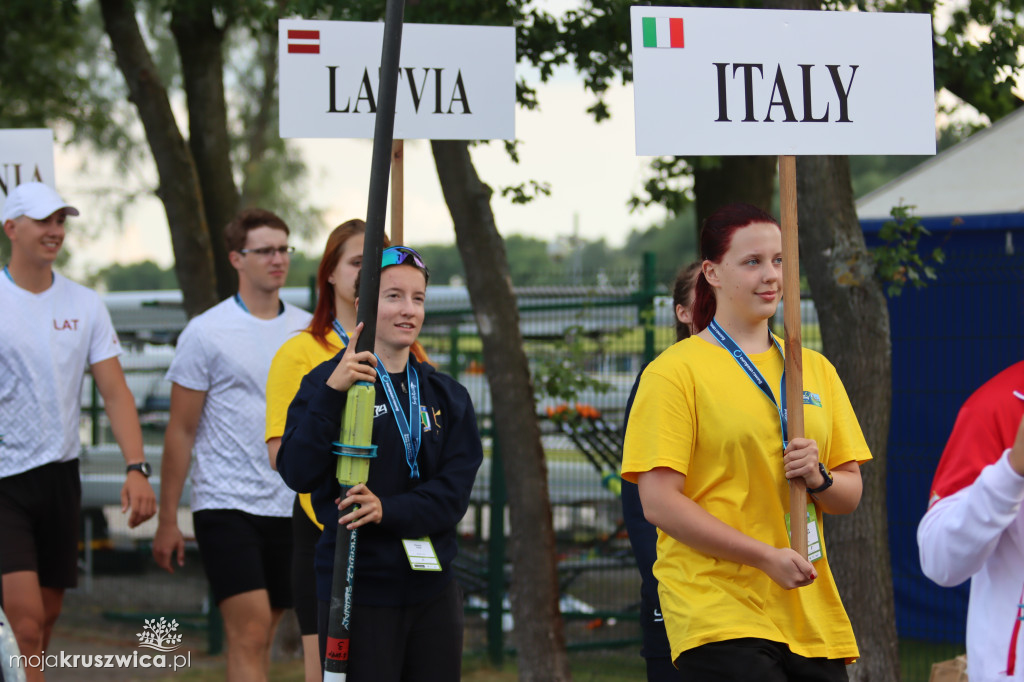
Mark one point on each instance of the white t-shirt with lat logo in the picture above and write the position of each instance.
(47, 341)
(227, 352)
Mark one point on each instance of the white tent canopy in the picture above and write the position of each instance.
(984, 174)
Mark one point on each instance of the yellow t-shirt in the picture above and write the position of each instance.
(698, 412)
(294, 360)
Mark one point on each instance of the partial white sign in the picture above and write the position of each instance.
(781, 82)
(455, 82)
(26, 155)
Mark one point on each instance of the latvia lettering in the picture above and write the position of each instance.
(13, 174)
(434, 88)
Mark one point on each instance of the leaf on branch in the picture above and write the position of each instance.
(525, 192)
(898, 261)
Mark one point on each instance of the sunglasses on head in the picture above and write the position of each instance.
(399, 255)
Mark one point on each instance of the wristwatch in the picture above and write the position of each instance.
(142, 467)
(824, 486)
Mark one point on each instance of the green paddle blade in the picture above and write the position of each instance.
(357, 431)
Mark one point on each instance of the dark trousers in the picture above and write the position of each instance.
(660, 669)
(305, 535)
(755, 659)
(415, 643)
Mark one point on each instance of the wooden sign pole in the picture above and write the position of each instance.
(397, 192)
(794, 351)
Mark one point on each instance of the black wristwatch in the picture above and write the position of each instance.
(824, 486)
(142, 467)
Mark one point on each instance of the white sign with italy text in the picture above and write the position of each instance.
(781, 82)
(26, 155)
(455, 82)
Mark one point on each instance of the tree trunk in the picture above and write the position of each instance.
(179, 183)
(539, 629)
(855, 330)
(200, 43)
(259, 129)
(732, 178)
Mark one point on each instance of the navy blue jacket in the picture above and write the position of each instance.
(433, 504)
(643, 537)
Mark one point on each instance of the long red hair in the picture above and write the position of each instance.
(715, 237)
(322, 323)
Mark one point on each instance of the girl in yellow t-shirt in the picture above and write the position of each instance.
(705, 445)
(335, 312)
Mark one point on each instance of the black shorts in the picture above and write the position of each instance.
(749, 658)
(39, 518)
(393, 643)
(242, 552)
(305, 535)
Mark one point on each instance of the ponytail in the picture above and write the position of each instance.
(704, 304)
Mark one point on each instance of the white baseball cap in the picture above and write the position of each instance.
(35, 200)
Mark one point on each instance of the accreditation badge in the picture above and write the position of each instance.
(813, 536)
(421, 554)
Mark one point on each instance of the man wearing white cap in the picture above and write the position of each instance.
(55, 329)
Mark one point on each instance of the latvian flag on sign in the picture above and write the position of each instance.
(303, 42)
(663, 31)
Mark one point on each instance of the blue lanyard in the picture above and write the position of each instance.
(241, 304)
(340, 331)
(410, 436)
(747, 366)
(53, 277)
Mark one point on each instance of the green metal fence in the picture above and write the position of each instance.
(604, 331)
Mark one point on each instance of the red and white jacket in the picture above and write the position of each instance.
(974, 527)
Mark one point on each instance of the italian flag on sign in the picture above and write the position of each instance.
(663, 31)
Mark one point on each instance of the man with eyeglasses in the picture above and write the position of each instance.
(241, 510)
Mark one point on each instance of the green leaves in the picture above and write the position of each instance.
(897, 262)
(525, 192)
(558, 374)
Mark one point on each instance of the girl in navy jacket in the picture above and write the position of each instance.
(404, 619)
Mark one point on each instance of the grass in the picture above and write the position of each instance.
(917, 657)
(620, 665)
(593, 665)
(617, 666)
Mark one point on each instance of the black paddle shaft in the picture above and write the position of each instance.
(339, 620)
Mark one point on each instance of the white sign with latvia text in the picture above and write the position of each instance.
(781, 82)
(455, 82)
(26, 155)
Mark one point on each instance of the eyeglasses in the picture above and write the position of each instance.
(397, 255)
(269, 251)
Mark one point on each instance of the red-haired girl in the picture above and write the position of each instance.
(707, 444)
